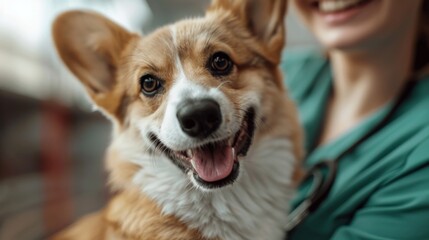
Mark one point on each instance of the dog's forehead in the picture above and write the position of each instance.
(194, 34)
(190, 40)
(154, 51)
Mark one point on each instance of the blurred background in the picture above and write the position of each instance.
(51, 141)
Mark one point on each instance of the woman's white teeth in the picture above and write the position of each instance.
(336, 5)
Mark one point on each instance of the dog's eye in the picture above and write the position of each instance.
(220, 64)
(150, 85)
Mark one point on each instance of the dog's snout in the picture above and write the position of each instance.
(199, 118)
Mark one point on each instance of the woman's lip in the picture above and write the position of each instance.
(339, 17)
(336, 18)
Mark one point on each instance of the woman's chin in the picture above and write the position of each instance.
(344, 41)
(349, 29)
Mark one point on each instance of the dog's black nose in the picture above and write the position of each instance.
(199, 118)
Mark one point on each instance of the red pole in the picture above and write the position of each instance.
(55, 143)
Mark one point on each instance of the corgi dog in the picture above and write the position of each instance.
(206, 143)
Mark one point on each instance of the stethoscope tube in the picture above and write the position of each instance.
(321, 186)
(319, 191)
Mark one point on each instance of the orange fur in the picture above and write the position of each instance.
(129, 215)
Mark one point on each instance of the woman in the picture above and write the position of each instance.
(381, 190)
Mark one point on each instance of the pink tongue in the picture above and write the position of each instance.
(213, 164)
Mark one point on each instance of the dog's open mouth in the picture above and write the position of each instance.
(214, 164)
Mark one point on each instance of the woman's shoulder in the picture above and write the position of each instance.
(303, 70)
(416, 116)
(302, 61)
(419, 156)
(416, 160)
(293, 55)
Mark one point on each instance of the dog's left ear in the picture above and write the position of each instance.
(263, 18)
(91, 46)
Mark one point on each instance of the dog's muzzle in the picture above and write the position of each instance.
(214, 164)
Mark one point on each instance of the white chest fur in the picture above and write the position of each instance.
(254, 207)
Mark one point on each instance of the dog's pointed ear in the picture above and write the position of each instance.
(265, 19)
(90, 45)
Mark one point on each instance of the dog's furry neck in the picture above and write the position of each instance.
(248, 209)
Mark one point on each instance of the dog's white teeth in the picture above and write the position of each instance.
(193, 163)
(233, 153)
(189, 152)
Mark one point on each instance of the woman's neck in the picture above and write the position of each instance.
(364, 81)
(367, 81)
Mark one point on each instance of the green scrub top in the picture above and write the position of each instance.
(382, 187)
